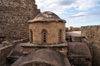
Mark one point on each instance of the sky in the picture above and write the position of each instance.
(77, 13)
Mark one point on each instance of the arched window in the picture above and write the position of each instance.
(31, 36)
(60, 35)
(44, 36)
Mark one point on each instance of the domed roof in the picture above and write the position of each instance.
(47, 56)
(79, 49)
(47, 16)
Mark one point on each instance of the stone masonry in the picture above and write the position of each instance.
(92, 34)
(4, 52)
(14, 15)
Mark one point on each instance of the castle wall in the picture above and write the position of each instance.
(14, 15)
(92, 34)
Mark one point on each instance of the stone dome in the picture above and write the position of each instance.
(79, 50)
(47, 17)
(48, 56)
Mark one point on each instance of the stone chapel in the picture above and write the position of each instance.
(48, 47)
(47, 28)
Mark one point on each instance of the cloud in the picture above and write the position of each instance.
(85, 14)
(61, 6)
(80, 14)
(67, 2)
(86, 4)
(74, 11)
(58, 7)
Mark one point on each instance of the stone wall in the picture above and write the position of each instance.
(7, 49)
(4, 52)
(29, 48)
(96, 55)
(92, 34)
(73, 29)
(52, 35)
(14, 15)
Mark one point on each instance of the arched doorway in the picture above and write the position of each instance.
(44, 36)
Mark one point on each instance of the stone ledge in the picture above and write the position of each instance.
(44, 46)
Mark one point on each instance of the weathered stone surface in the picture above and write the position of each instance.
(79, 54)
(10, 48)
(96, 55)
(6, 43)
(92, 34)
(73, 29)
(4, 52)
(48, 56)
(14, 15)
(53, 32)
(53, 26)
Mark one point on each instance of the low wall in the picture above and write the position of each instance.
(4, 52)
(8, 49)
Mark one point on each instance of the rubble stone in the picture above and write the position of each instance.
(14, 15)
(92, 34)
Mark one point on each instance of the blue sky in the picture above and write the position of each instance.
(76, 12)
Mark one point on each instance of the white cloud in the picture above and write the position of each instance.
(85, 4)
(85, 14)
(61, 6)
(80, 14)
